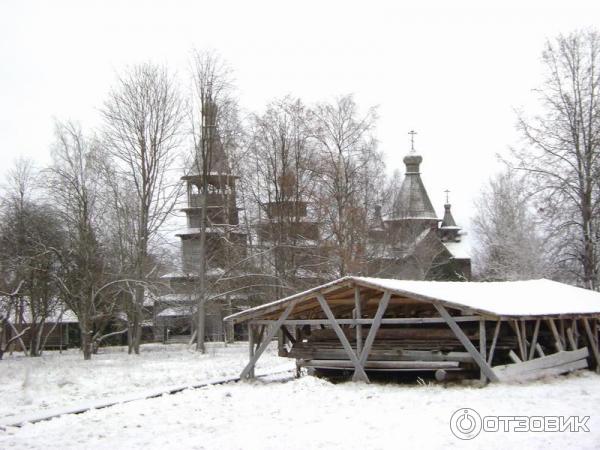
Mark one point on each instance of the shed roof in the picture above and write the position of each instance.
(530, 298)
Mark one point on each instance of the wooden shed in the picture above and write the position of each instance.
(495, 330)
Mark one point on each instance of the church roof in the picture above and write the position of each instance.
(448, 220)
(412, 201)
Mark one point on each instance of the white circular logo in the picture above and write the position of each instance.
(465, 423)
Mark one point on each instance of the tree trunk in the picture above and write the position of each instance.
(86, 342)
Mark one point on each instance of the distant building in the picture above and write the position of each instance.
(225, 250)
(412, 242)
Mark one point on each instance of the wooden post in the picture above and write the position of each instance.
(557, 339)
(251, 348)
(383, 303)
(515, 326)
(267, 339)
(358, 315)
(536, 331)
(479, 360)
(360, 374)
(524, 337)
(593, 344)
(482, 345)
(494, 340)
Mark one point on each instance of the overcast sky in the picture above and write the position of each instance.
(455, 73)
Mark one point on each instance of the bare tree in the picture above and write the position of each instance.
(214, 130)
(562, 149)
(349, 167)
(27, 228)
(511, 243)
(75, 188)
(282, 178)
(143, 118)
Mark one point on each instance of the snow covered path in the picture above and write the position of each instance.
(311, 413)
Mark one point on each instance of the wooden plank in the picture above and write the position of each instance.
(592, 341)
(416, 365)
(342, 337)
(536, 331)
(545, 372)
(494, 341)
(555, 359)
(479, 360)
(557, 340)
(267, 340)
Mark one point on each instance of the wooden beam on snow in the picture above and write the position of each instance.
(360, 373)
(479, 360)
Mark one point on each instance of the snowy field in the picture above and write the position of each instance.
(32, 385)
(303, 413)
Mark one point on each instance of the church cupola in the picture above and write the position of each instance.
(412, 201)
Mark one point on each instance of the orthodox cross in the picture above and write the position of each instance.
(447, 199)
(412, 140)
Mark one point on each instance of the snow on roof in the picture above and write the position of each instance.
(459, 249)
(177, 311)
(503, 298)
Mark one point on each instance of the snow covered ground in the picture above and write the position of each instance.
(304, 413)
(33, 385)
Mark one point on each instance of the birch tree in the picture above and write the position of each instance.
(562, 150)
(350, 166)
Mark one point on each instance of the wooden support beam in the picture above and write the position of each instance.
(514, 358)
(593, 343)
(385, 321)
(539, 350)
(250, 366)
(571, 338)
(479, 360)
(383, 304)
(515, 326)
(494, 341)
(287, 334)
(536, 331)
(358, 315)
(360, 373)
(482, 345)
(524, 337)
(557, 340)
(251, 348)
(261, 334)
